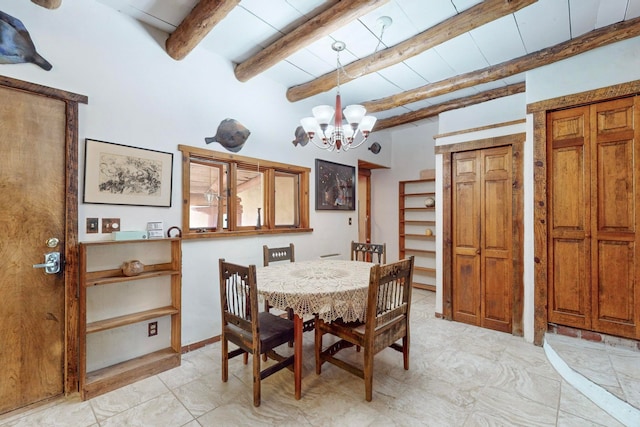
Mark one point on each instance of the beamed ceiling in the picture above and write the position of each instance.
(437, 55)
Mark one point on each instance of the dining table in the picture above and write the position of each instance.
(327, 289)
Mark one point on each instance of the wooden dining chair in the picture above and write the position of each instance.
(253, 332)
(285, 253)
(369, 252)
(387, 321)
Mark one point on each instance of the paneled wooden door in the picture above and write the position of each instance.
(594, 213)
(32, 196)
(482, 237)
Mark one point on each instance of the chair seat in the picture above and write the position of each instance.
(274, 330)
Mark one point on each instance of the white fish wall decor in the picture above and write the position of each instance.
(16, 46)
(231, 134)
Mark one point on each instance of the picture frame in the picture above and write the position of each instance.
(117, 174)
(335, 186)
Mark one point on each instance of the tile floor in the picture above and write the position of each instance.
(459, 376)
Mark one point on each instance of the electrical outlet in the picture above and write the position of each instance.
(92, 225)
(110, 224)
(153, 329)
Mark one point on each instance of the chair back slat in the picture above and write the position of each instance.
(238, 295)
(390, 291)
(285, 253)
(369, 252)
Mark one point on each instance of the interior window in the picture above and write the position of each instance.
(234, 195)
(208, 191)
(287, 190)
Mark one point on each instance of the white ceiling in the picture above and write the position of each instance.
(254, 24)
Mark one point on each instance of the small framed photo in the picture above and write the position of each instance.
(122, 175)
(335, 186)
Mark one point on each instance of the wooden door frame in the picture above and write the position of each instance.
(71, 101)
(366, 168)
(540, 212)
(366, 174)
(516, 141)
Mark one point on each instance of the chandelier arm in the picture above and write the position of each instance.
(352, 145)
(322, 146)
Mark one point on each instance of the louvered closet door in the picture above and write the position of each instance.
(593, 190)
(482, 224)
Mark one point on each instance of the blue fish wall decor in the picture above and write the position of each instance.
(16, 46)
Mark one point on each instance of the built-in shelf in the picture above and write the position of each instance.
(108, 277)
(130, 319)
(112, 377)
(417, 230)
(109, 378)
(417, 222)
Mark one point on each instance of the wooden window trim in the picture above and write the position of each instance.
(268, 168)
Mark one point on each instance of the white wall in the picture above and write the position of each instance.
(605, 66)
(412, 151)
(141, 97)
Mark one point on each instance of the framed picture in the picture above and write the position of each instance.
(335, 186)
(122, 175)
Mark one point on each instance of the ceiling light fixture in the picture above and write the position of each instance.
(337, 134)
(342, 135)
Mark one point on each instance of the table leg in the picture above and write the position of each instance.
(297, 351)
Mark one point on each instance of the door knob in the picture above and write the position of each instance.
(51, 263)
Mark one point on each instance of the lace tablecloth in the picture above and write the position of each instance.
(331, 289)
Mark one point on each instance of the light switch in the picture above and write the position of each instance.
(110, 225)
(92, 225)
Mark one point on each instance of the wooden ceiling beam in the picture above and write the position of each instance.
(203, 17)
(321, 25)
(474, 17)
(49, 4)
(454, 104)
(591, 40)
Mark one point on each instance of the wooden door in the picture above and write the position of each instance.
(569, 220)
(466, 237)
(615, 217)
(594, 213)
(482, 238)
(32, 196)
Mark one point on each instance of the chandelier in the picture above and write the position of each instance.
(338, 134)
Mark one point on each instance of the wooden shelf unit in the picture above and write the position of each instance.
(415, 218)
(109, 378)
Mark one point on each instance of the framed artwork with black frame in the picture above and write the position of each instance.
(335, 186)
(118, 174)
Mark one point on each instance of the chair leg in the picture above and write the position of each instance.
(245, 358)
(318, 346)
(290, 317)
(225, 360)
(256, 380)
(405, 352)
(368, 374)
